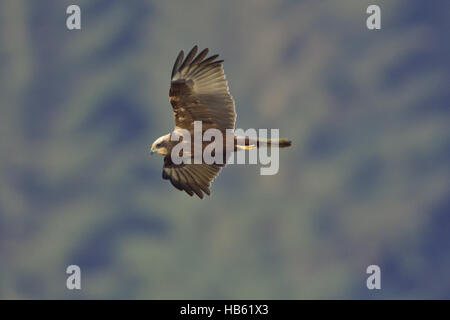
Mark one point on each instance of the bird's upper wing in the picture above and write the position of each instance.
(199, 92)
(190, 177)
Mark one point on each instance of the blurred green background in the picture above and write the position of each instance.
(366, 181)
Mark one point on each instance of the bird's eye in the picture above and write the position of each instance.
(158, 145)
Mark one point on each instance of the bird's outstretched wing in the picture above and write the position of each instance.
(199, 92)
(192, 178)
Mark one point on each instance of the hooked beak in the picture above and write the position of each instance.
(152, 151)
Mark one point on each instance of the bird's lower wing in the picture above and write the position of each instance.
(192, 178)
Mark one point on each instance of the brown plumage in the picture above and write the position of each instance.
(198, 92)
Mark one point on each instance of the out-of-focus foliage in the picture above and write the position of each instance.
(366, 181)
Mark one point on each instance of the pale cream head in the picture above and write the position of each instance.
(161, 145)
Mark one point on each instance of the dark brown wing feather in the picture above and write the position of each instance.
(192, 178)
(199, 92)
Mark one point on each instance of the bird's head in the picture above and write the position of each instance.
(160, 145)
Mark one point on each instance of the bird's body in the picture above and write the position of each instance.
(199, 92)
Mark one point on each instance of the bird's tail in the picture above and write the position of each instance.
(246, 143)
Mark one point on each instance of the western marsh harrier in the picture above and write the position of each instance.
(199, 92)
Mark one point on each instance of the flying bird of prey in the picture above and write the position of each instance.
(199, 92)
